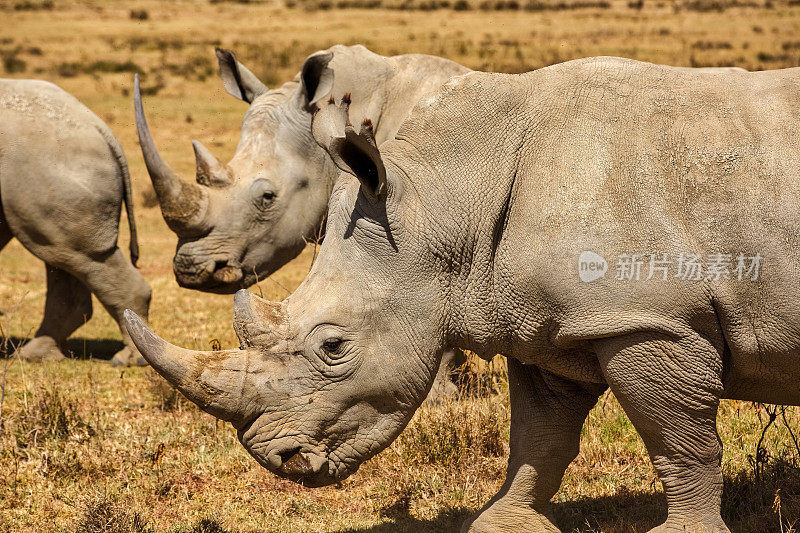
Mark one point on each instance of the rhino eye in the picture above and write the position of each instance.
(332, 345)
(263, 193)
(266, 199)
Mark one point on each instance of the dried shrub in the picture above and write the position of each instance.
(29, 5)
(481, 379)
(455, 432)
(712, 45)
(112, 67)
(12, 64)
(68, 69)
(537, 5)
(194, 68)
(73, 68)
(51, 415)
(108, 516)
(166, 396)
(139, 14)
(203, 525)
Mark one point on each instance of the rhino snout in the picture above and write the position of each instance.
(213, 275)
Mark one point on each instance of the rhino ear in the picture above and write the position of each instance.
(358, 154)
(317, 77)
(238, 81)
(353, 152)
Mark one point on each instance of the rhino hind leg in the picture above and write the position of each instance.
(5, 233)
(670, 390)
(119, 286)
(5, 237)
(547, 414)
(68, 306)
(5, 229)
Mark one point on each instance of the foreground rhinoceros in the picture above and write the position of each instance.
(63, 179)
(243, 221)
(602, 223)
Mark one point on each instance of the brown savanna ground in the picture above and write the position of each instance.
(86, 447)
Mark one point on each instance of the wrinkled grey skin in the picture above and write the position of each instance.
(246, 219)
(63, 179)
(465, 230)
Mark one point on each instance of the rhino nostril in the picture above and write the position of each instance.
(295, 463)
(286, 455)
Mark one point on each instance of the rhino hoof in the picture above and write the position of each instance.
(128, 357)
(40, 349)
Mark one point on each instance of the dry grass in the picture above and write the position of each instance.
(89, 448)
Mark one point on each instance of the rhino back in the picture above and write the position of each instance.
(620, 157)
(59, 169)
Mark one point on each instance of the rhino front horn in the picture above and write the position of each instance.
(183, 204)
(212, 380)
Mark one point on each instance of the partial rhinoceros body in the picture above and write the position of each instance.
(480, 226)
(244, 220)
(63, 179)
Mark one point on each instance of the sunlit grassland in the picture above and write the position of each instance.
(84, 444)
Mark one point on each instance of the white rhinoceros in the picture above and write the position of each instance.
(602, 223)
(63, 179)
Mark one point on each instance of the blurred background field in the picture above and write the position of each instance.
(86, 447)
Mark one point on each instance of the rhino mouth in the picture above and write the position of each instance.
(222, 276)
(305, 468)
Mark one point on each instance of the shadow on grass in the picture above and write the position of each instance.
(76, 348)
(447, 520)
(747, 506)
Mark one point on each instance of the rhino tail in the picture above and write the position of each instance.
(127, 197)
(127, 192)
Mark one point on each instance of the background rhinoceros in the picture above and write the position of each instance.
(467, 230)
(63, 179)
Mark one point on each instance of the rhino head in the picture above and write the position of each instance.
(331, 375)
(243, 220)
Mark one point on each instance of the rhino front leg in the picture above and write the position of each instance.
(547, 414)
(68, 306)
(670, 389)
(119, 286)
(443, 386)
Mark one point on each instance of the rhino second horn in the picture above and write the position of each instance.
(183, 204)
(209, 379)
(210, 172)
